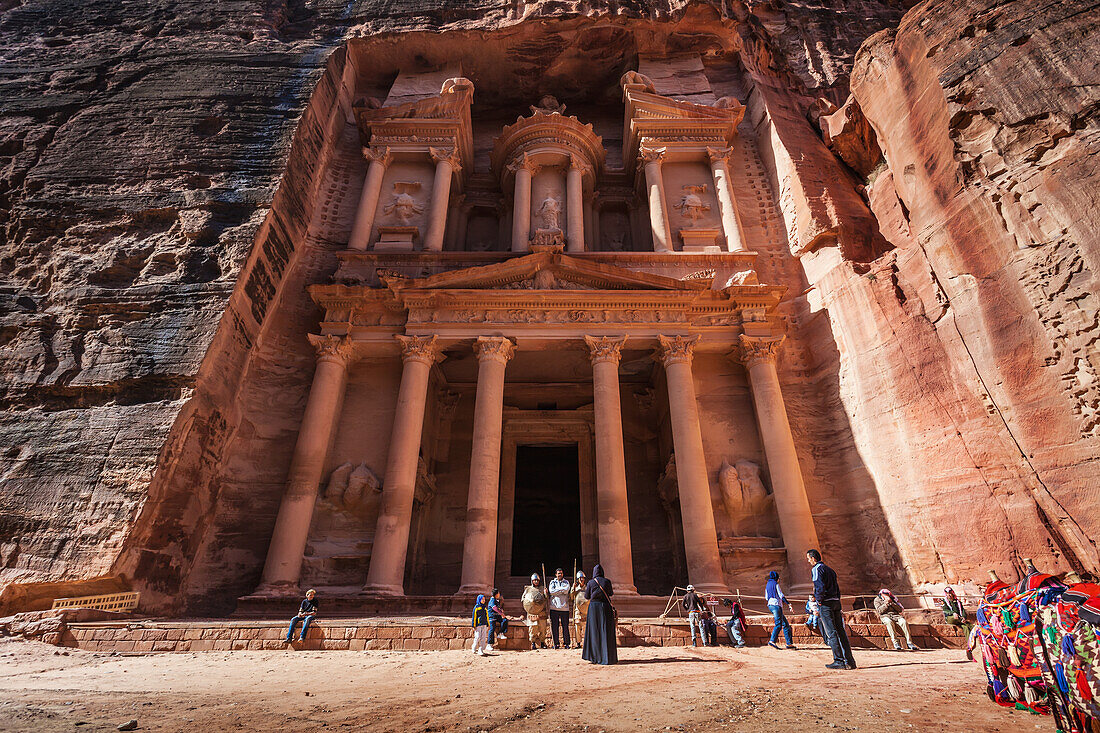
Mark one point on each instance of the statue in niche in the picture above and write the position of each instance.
(614, 241)
(691, 204)
(549, 214)
(403, 206)
(548, 105)
(744, 495)
(353, 487)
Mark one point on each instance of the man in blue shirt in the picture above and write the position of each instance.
(827, 594)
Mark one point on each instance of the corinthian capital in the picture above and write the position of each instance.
(418, 348)
(719, 155)
(605, 348)
(494, 348)
(380, 155)
(523, 162)
(449, 155)
(677, 349)
(651, 155)
(757, 349)
(332, 348)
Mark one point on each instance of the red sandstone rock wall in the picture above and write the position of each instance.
(941, 391)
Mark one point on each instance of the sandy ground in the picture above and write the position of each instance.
(756, 689)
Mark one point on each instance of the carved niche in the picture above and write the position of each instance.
(748, 503)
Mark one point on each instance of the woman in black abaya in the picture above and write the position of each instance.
(599, 634)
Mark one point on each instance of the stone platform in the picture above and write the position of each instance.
(426, 633)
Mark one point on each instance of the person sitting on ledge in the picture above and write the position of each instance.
(736, 627)
(306, 613)
(954, 614)
(889, 609)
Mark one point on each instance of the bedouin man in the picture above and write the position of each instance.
(534, 604)
(579, 605)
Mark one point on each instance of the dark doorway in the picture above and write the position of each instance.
(547, 516)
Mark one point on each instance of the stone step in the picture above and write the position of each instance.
(425, 634)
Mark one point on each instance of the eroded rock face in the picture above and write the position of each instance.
(160, 195)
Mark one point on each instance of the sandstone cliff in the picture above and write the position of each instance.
(157, 181)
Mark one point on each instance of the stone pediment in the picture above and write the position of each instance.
(548, 270)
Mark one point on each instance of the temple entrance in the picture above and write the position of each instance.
(547, 516)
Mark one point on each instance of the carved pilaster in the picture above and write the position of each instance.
(677, 349)
(332, 348)
(756, 349)
(495, 348)
(418, 348)
(605, 348)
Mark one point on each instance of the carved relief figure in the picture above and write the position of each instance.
(549, 213)
(691, 205)
(744, 495)
(353, 487)
(403, 206)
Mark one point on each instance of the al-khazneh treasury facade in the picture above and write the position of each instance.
(579, 354)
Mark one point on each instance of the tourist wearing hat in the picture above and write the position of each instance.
(775, 598)
(580, 608)
(534, 605)
(599, 635)
(307, 611)
(889, 609)
(693, 604)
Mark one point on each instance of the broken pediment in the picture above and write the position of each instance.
(546, 270)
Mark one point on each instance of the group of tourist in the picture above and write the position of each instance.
(582, 606)
(581, 609)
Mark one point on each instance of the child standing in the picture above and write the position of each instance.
(481, 626)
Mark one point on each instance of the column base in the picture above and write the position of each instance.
(473, 590)
(625, 592)
(278, 589)
(386, 591)
(718, 589)
(802, 590)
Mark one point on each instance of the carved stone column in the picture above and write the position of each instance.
(700, 534)
(796, 522)
(326, 396)
(391, 535)
(521, 205)
(611, 499)
(446, 165)
(574, 193)
(378, 159)
(731, 224)
(655, 190)
(479, 551)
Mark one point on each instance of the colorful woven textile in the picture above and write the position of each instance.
(1005, 635)
(1068, 655)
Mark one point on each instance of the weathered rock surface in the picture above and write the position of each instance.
(159, 176)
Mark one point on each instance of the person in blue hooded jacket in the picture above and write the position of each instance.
(775, 598)
(481, 626)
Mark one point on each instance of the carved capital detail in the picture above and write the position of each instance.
(449, 155)
(418, 348)
(651, 155)
(495, 348)
(379, 155)
(756, 349)
(677, 349)
(719, 155)
(332, 348)
(523, 162)
(605, 348)
(577, 164)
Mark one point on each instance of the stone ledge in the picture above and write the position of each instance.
(428, 634)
